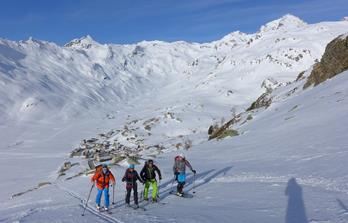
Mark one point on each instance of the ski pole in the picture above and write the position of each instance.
(172, 184)
(90, 191)
(113, 194)
(194, 183)
(142, 194)
(158, 188)
(125, 196)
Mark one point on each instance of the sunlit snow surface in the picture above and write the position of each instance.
(52, 97)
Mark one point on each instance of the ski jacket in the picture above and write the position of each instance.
(148, 173)
(180, 165)
(103, 180)
(131, 178)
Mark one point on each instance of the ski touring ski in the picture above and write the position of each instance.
(183, 195)
(136, 207)
(102, 209)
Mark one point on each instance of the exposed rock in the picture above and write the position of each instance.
(333, 62)
(264, 100)
(225, 127)
(300, 76)
(270, 84)
(210, 130)
(41, 184)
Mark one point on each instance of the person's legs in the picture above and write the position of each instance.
(154, 189)
(106, 197)
(146, 189)
(98, 198)
(181, 182)
(181, 187)
(128, 195)
(135, 190)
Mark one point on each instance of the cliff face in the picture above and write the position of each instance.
(333, 62)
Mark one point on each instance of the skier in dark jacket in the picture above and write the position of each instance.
(148, 174)
(130, 177)
(179, 170)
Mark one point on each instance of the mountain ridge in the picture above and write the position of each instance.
(89, 75)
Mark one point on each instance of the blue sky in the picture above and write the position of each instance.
(129, 21)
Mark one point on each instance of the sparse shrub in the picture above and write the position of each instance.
(178, 145)
(226, 133)
(188, 144)
(148, 127)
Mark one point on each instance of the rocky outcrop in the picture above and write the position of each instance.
(219, 131)
(333, 62)
(264, 100)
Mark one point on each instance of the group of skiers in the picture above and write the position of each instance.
(103, 177)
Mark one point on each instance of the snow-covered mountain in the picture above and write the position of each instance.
(38, 76)
(159, 97)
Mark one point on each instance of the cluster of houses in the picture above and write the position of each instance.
(101, 149)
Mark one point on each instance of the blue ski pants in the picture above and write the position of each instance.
(106, 197)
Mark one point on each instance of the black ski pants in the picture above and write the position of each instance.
(135, 193)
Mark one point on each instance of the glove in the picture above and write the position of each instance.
(194, 171)
(160, 178)
(123, 180)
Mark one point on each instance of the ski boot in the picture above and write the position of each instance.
(180, 194)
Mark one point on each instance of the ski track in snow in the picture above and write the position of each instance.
(21, 216)
(105, 217)
(119, 205)
(209, 176)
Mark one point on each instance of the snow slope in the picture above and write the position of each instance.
(241, 179)
(38, 77)
(52, 97)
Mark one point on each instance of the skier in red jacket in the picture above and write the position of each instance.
(102, 178)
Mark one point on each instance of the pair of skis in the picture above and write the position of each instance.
(102, 209)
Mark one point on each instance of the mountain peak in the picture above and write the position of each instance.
(232, 38)
(85, 42)
(287, 21)
(234, 35)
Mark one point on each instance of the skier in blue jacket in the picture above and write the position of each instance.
(179, 170)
